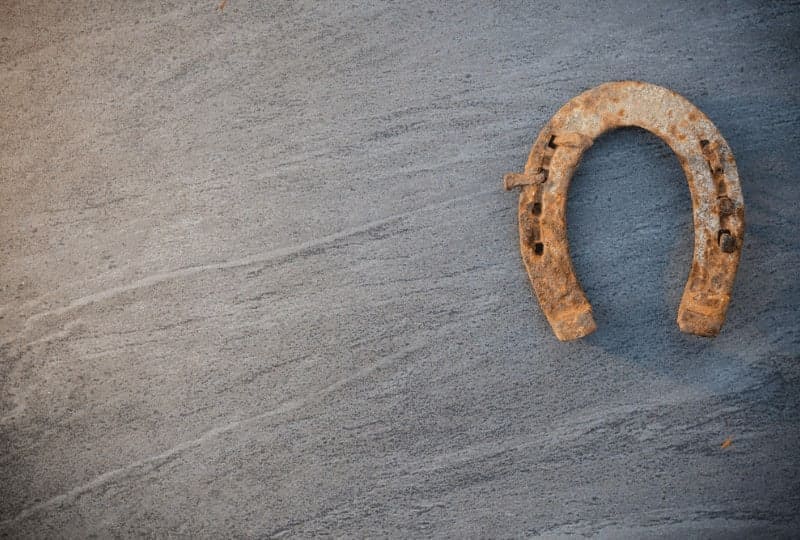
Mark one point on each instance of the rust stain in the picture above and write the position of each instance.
(713, 181)
(222, 5)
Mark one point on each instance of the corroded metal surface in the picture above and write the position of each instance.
(710, 169)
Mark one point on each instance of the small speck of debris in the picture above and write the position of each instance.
(726, 443)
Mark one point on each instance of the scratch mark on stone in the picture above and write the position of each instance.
(153, 463)
(58, 335)
(237, 263)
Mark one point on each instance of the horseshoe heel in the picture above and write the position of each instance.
(707, 161)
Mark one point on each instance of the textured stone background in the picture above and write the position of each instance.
(258, 276)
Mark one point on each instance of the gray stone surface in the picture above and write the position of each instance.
(258, 276)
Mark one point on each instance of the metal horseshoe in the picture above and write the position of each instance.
(707, 161)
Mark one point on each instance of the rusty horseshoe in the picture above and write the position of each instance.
(707, 161)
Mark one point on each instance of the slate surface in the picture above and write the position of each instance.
(258, 276)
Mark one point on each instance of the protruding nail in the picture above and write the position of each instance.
(512, 180)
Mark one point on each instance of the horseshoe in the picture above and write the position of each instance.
(707, 161)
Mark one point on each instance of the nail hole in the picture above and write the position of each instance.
(726, 242)
(715, 171)
(536, 209)
(538, 248)
(551, 143)
(725, 205)
(704, 142)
